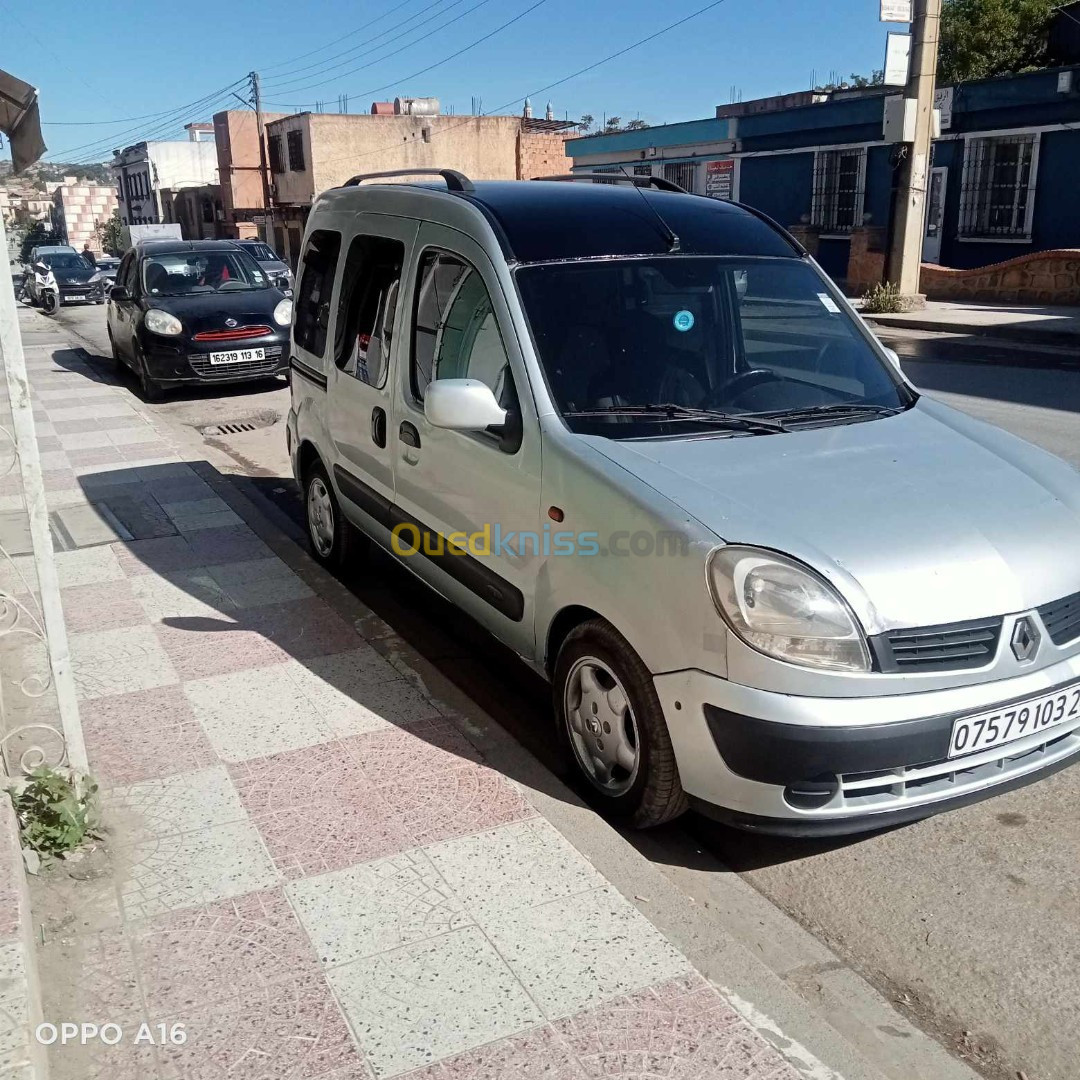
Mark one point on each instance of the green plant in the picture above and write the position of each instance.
(57, 810)
(110, 234)
(884, 298)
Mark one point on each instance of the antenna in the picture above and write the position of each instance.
(672, 237)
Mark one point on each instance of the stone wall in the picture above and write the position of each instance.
(1039, 277)
(866, 261)
(542, 154)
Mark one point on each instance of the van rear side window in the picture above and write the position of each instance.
(367, 305)
(318, 267)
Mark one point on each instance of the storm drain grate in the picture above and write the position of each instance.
(240, 427)
(228, 429)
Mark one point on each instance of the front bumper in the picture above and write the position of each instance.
(83, 293)
(829, 766)
(185, 361)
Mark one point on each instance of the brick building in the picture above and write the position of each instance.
(78, 208)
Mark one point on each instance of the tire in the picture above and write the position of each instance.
(598, 669)
(331, 539)
(149, 388)
(118, 362)
(49, 303)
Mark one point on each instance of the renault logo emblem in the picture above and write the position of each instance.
(230, 322)
(1025, 639)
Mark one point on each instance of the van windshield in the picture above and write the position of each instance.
(737, 336)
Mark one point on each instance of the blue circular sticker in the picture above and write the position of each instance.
(684, 320)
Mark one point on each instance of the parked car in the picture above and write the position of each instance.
(198, 311)
(649, 445)
(276, 269)
(75, 277)
(107, 265)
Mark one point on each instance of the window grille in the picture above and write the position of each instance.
(839, 189)
(998, 189)
(296, 151)
(682, 173)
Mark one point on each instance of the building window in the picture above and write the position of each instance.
(276, 164)
(839, 189)
(682, 173)
(997, 196)
(296, 151)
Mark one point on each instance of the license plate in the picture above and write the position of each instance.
(237, 356)
(1006, 725)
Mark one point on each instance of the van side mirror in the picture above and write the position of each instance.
(462, 405)
(894, 357)
(119, 292)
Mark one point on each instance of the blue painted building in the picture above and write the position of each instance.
(1005, 178)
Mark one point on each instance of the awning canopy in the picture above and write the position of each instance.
(19, 121)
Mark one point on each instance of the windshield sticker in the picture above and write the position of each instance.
(683, 321)
(258, 277)
(828, 303)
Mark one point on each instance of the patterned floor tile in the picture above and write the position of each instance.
(51, 460)
(358, 691)
(236, 543)
(128, 436)
(286, 1031)
(255, 713)
(521, 865)
(169, 805)
(180, 593)
(398, 755)
(194, 515)
(59, 480)
(682, 1030)
(99, 455)
(375, 907)
(539, 1054)
(427, 1001)
(301, 628)
(162, 874)
(126, 733)
(456, 802)
(259, 581)
(87, 566)
(106, 605)
(574, 953)
(162, 555)
(316, 811)
(148, 451)
(228, 948)
(119, 662)
(200, 647)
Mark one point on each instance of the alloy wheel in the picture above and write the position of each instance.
(602, 727)
(320, 515)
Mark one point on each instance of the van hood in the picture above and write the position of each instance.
(921, 518)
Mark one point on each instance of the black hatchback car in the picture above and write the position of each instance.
(199, 311)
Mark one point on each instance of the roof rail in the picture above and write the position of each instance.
(455, 181)
(620, 178)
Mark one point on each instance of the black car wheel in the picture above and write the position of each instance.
(149, 387)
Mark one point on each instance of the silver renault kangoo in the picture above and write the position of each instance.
(642, 439)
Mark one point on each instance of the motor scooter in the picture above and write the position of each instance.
(48, 292)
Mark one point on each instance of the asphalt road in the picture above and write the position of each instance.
(970, 921)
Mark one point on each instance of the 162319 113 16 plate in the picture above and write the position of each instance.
(1006, 725)
(237, 356)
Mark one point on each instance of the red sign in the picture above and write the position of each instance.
(720, 180)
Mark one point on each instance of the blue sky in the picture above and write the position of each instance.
(114, 59)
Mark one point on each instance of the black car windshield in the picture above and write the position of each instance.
(731, 336)
(262, 252)
(64, 260)
(189, 273)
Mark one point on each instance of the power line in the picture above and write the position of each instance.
(387, 56)
(445, 59)
(284, 76)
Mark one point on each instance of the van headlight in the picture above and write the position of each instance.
(162, 322)
(784, 609)
(283, 313)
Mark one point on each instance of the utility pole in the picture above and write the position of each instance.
(264, 168)
(909, 208)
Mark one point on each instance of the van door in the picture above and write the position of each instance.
(358, 380)
(470, 499)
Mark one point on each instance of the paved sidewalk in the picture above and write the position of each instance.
(313, 870)
(1035, 325)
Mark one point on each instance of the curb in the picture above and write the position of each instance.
(1016, 334)
(788, 985)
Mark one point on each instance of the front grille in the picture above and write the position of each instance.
(236, 333)
(947, 647)
(267, 366)
(889, 789)
(1062, 619)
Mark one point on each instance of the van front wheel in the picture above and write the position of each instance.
(613, 728)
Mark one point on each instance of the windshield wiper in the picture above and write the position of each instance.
(684, 412)
(838, 408)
